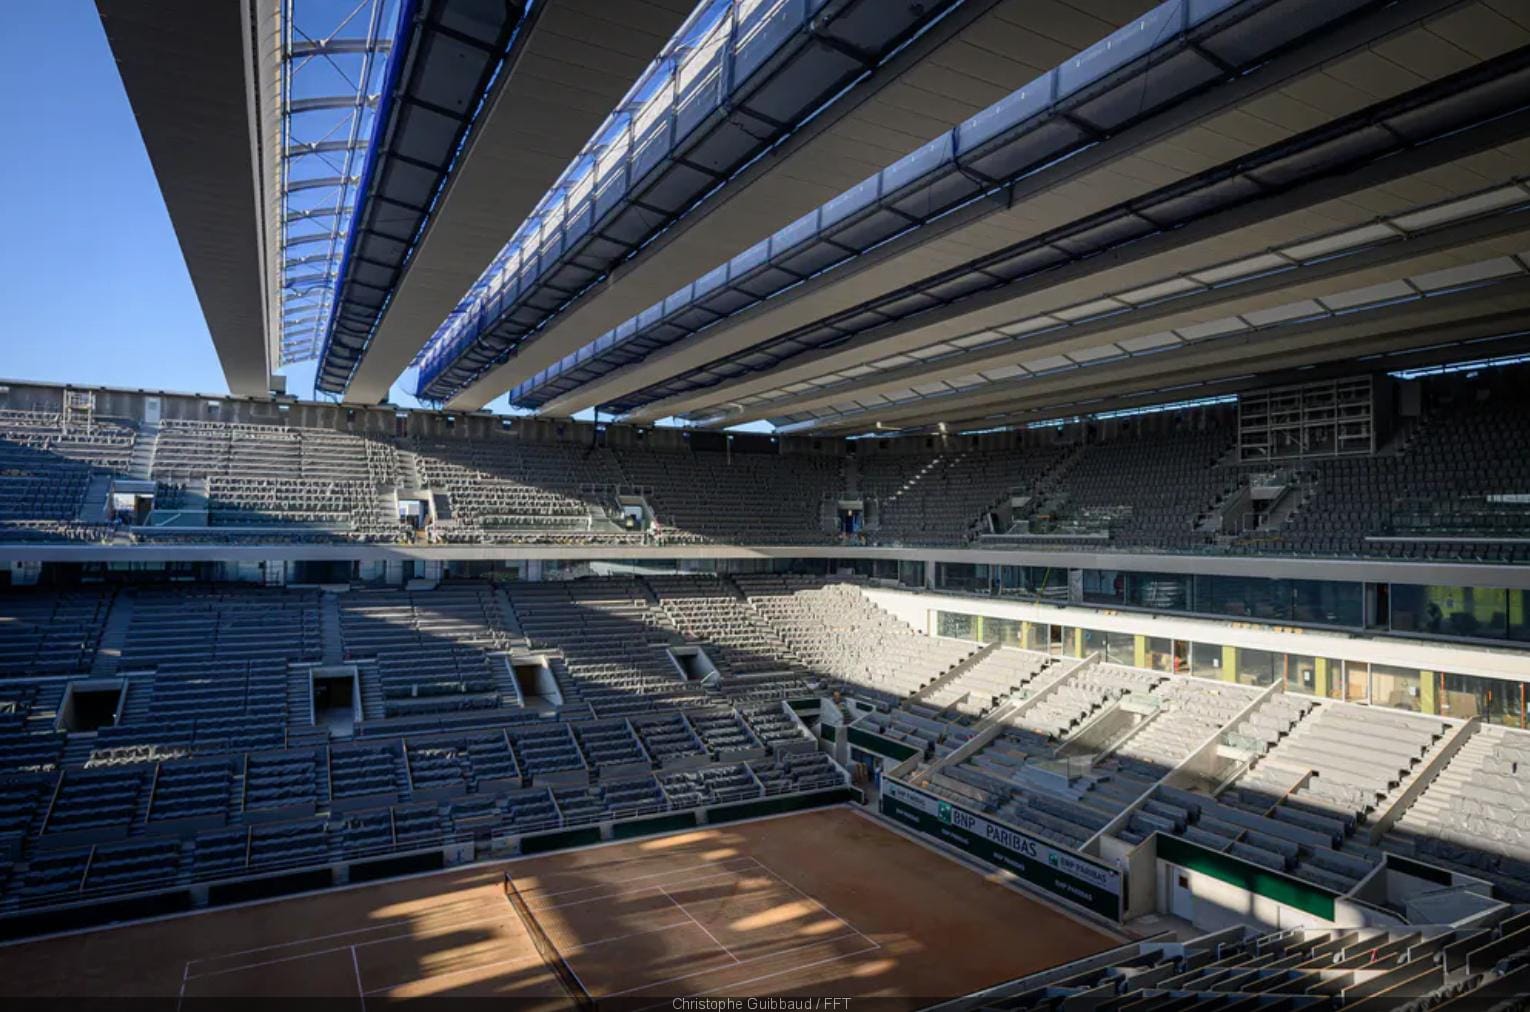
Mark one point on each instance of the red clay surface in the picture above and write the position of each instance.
(825, 903)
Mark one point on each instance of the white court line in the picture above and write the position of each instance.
(669, 1003)
(698, 924)
(468, 922)
(361, 992)
(471, 922)
(581, 946)
(741, 962)
(517, 959)
(311, 938)
(631, 894)
(185, 976)
(642, 878)
(814, 900)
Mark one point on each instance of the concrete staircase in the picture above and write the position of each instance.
(515, 636)
(140, 694)
(113, 635)
(409, 470)
(504, 680)
(920, 475)
(93, 504)
(329, 629)
(141, 464)
(372, 707)
(299, 695)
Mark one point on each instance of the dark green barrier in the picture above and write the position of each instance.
(805, 705)
(775, 806)
(880, 745)
(266, 888)
(387, 867)
(1427, 872)
(1068, 875)
(557, 841)
(45, 922)
(1272, 885)
(648, 827)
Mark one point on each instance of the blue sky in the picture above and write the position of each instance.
(93, 288)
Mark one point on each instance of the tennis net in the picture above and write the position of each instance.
(545, 947)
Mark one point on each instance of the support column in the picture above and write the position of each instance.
(1320, 677)
(1139, 651)
(1428, 699)
(1229, 663)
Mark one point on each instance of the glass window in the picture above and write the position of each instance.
(1481, 612)
(1336, 679)
(1104, 586)
(1159, 591)
(1259, 667)
(1301, 674)
(1004, 631)
(1062, 641)
(1316, 602)
(956, 625)
(1356, 684)
(1036, 636)
(1120, 648)
(1234, 595)
(962, 576)
(1206, 660)
(1326, 602)
(1160, 654)
(1519, 621)
(1495, 700)
(1395, 687)
(1020, 581)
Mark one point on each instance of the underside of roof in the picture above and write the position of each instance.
(959, 215)
(1372, 172)
(187, 66)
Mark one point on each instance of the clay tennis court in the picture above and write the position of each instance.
(821, 903)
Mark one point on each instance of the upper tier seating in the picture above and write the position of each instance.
(1438, 486)
(753, 498)
(938, 500)
(46, 467)
(1451, 484)
(1147, 491)
(273, 476)
(503, 490)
